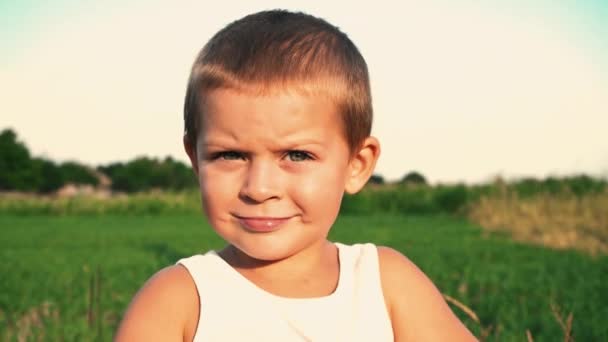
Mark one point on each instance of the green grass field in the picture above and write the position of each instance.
(66, 278)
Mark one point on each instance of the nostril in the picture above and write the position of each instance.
(257, 194)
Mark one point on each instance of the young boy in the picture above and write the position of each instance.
(277, 127)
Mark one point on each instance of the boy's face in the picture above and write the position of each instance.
(272, 170)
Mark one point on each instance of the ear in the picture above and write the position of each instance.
(362, 165)
(191, 152)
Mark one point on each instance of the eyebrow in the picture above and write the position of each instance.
(229, 143)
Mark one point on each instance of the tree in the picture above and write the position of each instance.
(20, 172)
(51, 178)
(376, 179)
(17, 171)
(73, 172)
(145, 173)
(414, 177)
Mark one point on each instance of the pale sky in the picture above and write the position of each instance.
(463, 90)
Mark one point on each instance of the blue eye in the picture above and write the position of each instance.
(228, 155)
(298, 156)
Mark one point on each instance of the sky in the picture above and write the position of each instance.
(463, 90)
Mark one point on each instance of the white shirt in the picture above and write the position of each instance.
(235, 309)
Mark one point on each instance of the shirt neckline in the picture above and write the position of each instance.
(242, 279)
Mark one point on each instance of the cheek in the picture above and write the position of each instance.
(321, 190)
(217, 189)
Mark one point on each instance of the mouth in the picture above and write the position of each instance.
(261, 224)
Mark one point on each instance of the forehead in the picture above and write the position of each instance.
(280, 113)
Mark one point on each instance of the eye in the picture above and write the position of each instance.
(298, 156)
(228, 155)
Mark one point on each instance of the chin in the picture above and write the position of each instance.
(266, 253)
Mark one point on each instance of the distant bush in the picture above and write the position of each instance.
(17, 171)
(457, 199)
(414, 177)
(72, 172)
(144, 174)
(51, 177)
(400, 200)
(145, 203)
(578, 185)
(21, 172)
(376, 179)
(451, 199)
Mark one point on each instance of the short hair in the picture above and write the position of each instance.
(273, 50)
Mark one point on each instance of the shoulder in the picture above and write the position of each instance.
(166, 308)
(417, 309)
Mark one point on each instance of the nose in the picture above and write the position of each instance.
(261, 182)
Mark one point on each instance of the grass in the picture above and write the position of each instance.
(143, 203)
(563, 221)
(70, 277)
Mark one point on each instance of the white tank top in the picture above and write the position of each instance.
(235, 309)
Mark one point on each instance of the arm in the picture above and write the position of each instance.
(166, 308)
(417, 309)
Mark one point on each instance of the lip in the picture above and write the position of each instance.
(262, 224)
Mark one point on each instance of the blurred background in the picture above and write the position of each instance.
(492, 118)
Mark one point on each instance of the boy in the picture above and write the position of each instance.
(277, 127)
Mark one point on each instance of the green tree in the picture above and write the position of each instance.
(73, 172)
(17, 172)
(376, 179)
(414, 177)
(51, 178)
(145, 173)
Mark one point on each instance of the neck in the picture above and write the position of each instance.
(308, 258)
(296, 275)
